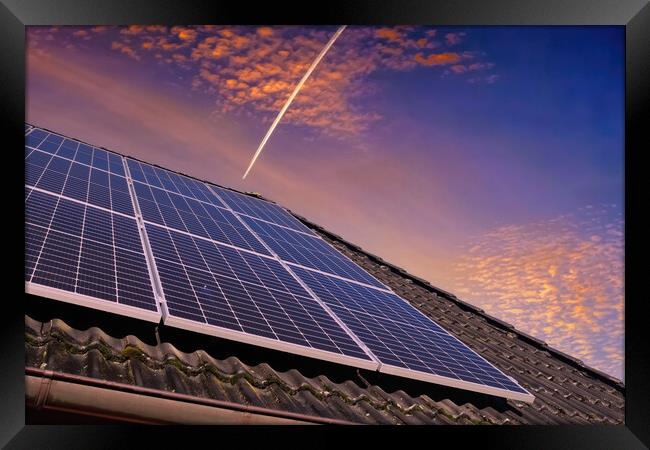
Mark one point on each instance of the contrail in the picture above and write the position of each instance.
(293, 95)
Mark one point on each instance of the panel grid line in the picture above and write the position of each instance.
(151, 263)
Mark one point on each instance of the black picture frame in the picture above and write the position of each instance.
(634, 15)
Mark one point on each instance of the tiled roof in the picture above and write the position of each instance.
(566, 390)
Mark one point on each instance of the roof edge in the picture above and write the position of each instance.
(248, 410)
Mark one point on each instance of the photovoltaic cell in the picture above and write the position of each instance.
(260, 209)
(192, 215)
(309, 251)
(400, 336)
(72, 246)
(220, 286)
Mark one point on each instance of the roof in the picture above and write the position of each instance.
(565, 389)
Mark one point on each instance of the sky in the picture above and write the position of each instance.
(487, 160)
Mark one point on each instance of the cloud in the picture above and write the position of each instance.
(265, 31)
(454, 38)
(128, 51)
(458, 68)
(390, 34)
(252, 70)
(438, 59)
(185, 34)
(559, 279)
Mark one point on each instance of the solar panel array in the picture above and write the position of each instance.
(217, 277)
(118, 234)
(82, 239)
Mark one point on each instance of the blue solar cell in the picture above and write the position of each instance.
(39, 208)
(401, 336)
(222, 286)
(59, 165)
(121, 202)
(135, 170)
(50, 144)
(96, 275)
(32, 174)
(84, 154)
(68, 149)
(98, 226)
(133, 280)
(125, 233)
(260, 209)
(115, 165)
(308, 251)
(68, 217)
(99, 195)
(56, 265)
(34, 237)
(100, 159)
(76, 188)
(38, 158)
(34, 138)
(80, 171)
(51, 181)
(99, 177)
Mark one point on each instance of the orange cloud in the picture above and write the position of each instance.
(128, 51)
(185, 34)
(555, 281)
(438, 59)
(388, 33)
(265, 31)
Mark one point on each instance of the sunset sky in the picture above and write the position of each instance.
(487, 160)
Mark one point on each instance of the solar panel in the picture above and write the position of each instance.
(187, 206)
(231, 293)
(260, 209)
(405, 341)
(216, 277)
(82, 243)
(308, 251)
